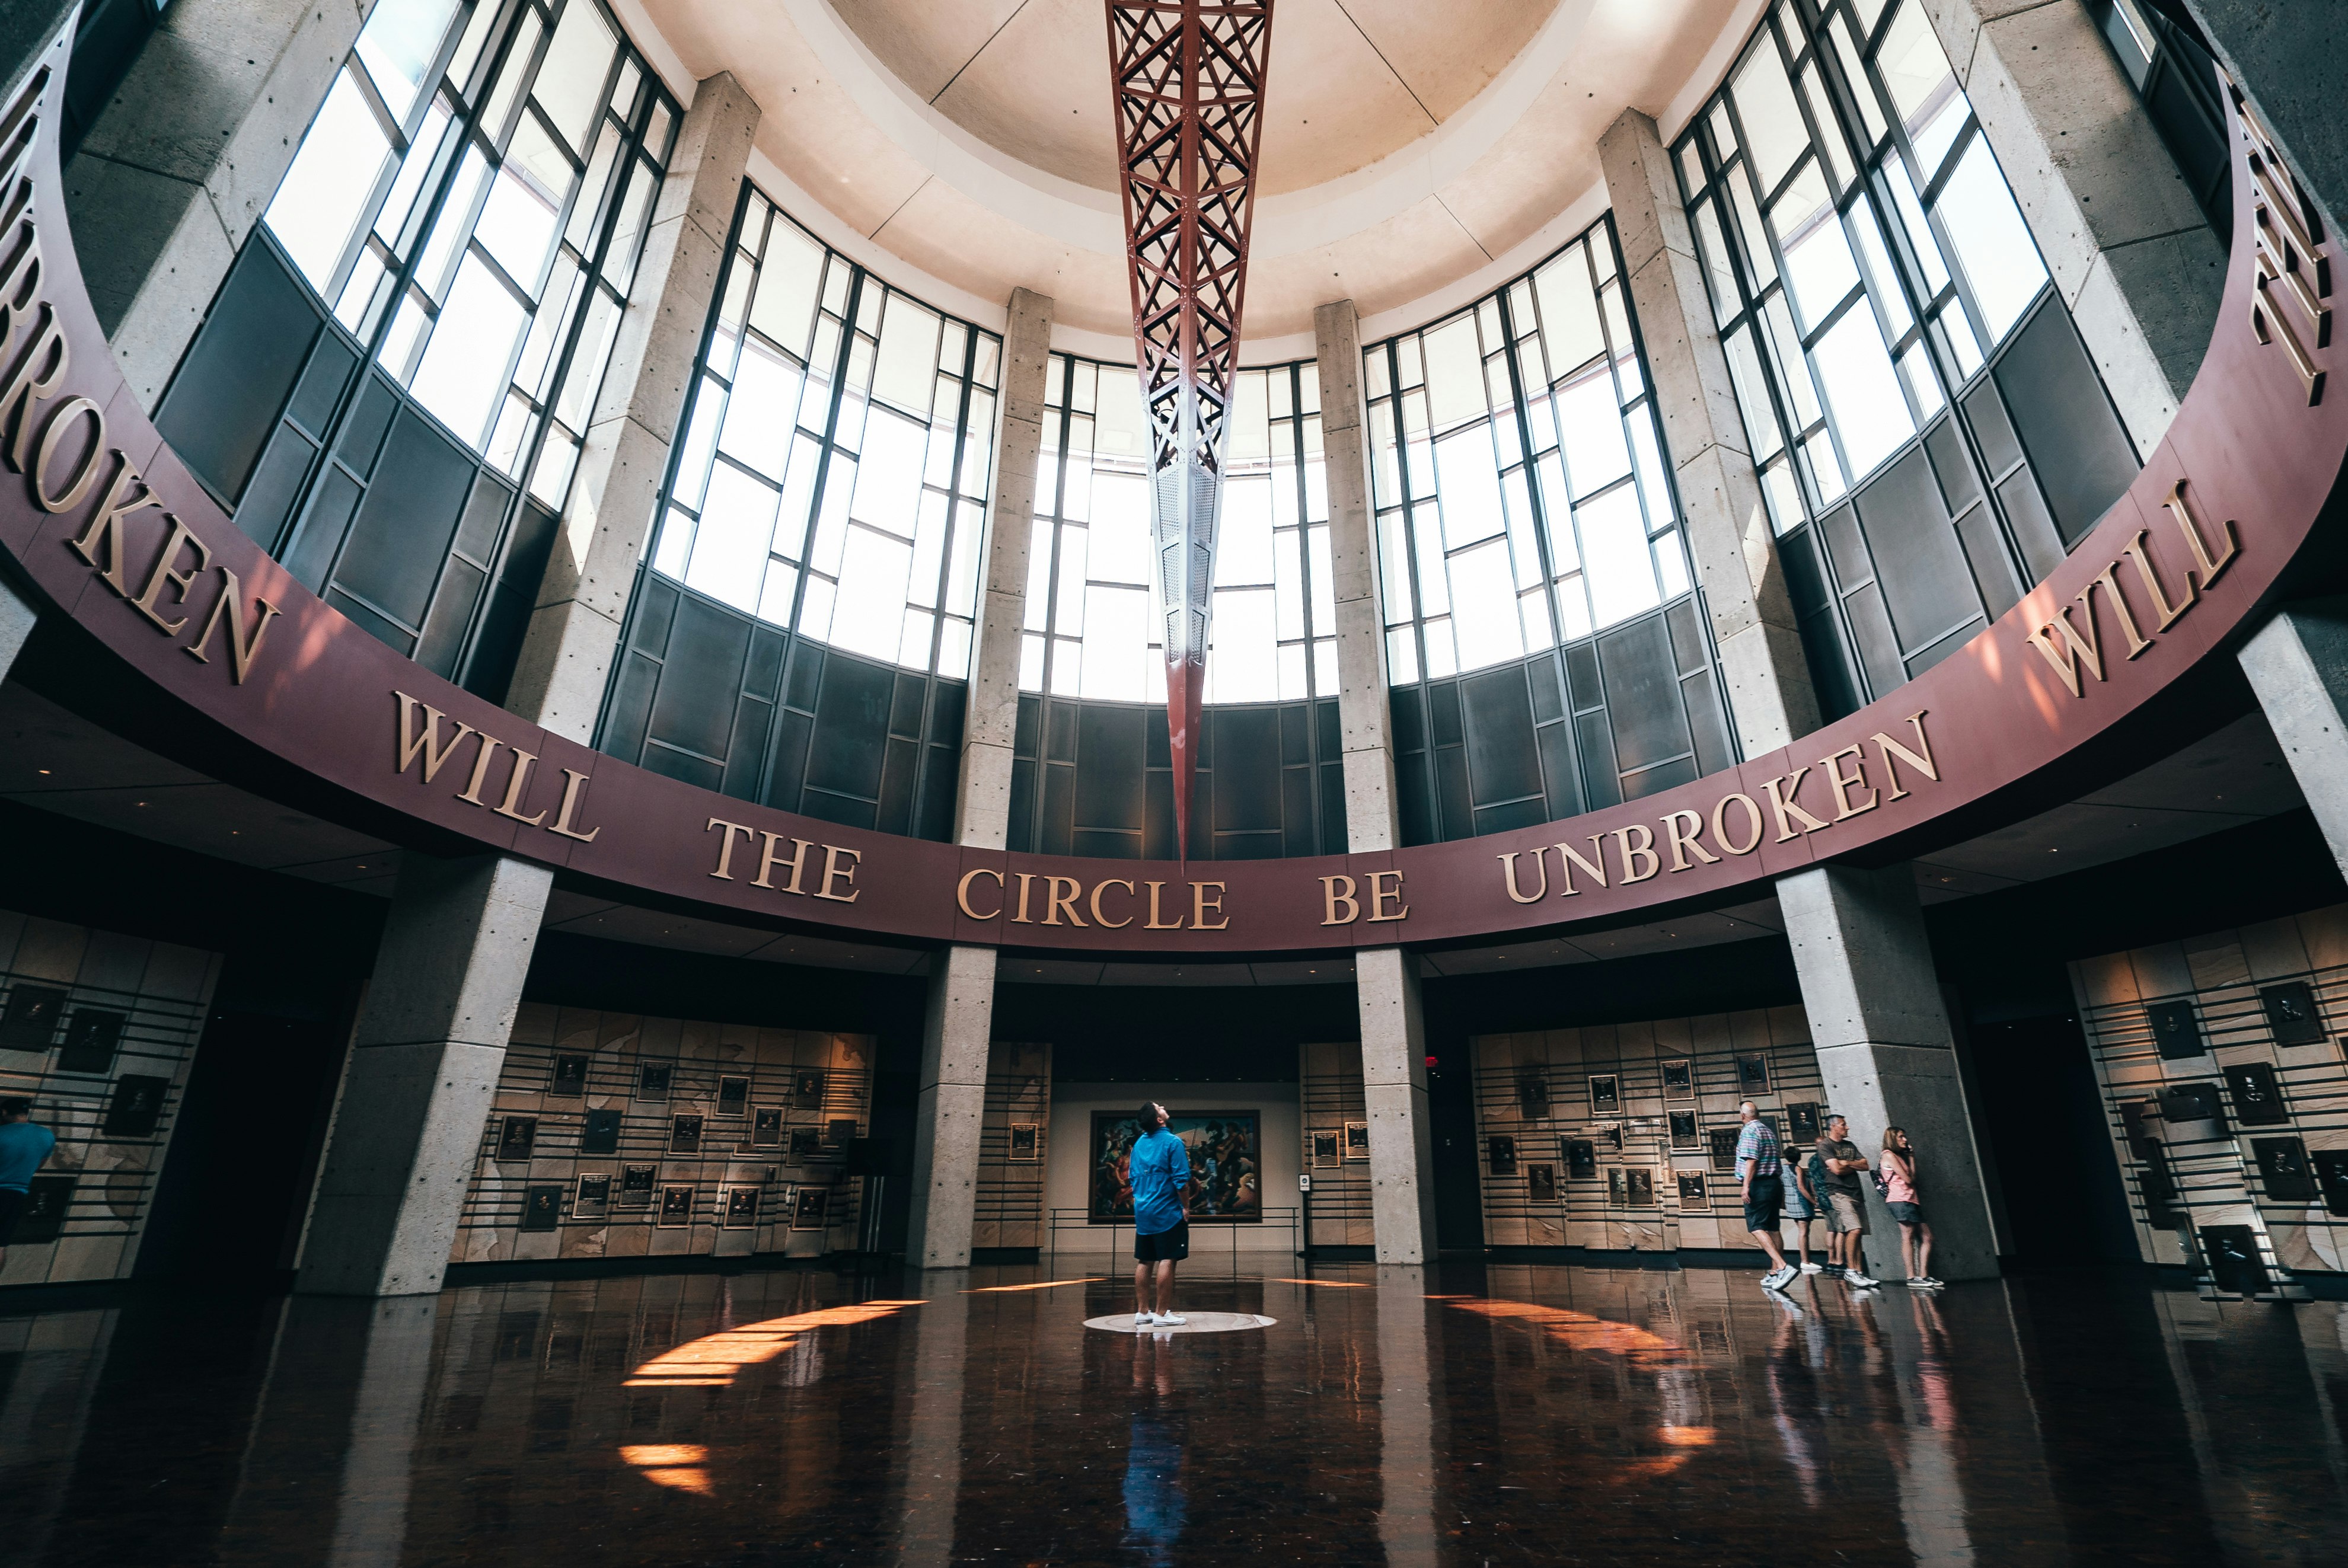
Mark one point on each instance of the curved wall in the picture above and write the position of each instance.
(109, 528)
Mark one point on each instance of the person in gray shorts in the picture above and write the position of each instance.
(1846, 1208)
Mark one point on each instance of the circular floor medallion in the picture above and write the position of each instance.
(1198, 1323)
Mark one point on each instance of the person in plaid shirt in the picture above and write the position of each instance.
(1761, 1174)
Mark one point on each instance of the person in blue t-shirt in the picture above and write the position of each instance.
(23, 1147)
(1158, 1168)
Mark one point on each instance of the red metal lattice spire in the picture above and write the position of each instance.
(1189, 99)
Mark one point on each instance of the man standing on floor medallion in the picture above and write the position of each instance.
(1160, 1171)
(23, 1147)
(1897, 1173)
(1760, 1173)
(1846, 1210)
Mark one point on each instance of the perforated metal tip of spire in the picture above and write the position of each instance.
(1189, 79)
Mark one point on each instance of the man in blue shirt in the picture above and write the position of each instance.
(1159, 1170)
(1760, 1173)
(23, 1147)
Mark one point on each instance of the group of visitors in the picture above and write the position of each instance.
(1826, 1185)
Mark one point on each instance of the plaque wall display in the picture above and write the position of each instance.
(1581, 1160)
(2159, 1186)
(1802, 1122)
(808, 1209)
(1540, 1182)
(2193, 1102)
(2331, 1179)
(31, 1017)
(1532, 1094)
(602, 1133)
(636, 1186)
(807, 1143)
(541, 1207)
(2291, 1013)
(2231, 1253)
(1327, 1148)
(570, 1075)
(136, 1106)
(48, 1202)
(1617, 1188)
(733, 1096)
(1691, 1194)
(1679, 1079)
(1027, 1143)
(766, 1127)
(592, 1200)
(92, 1037)
(684, 1135)
(838, 1133)
(1611, 1137)
(652, 1080)
(2257, 1094)
(675, 1206)
(1357, 1140)
(1500, 1156)
(1605, 1093)
(1683, 1130)
(2283, 1170)
(2175, 1032)
(1639, 1185)
(516, 1136)
(738, 1209)
(807, 1086)
(1752, 1075)
(1721, 1142)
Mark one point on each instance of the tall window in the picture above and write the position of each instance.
(834, 474)
(1863, 253)
(1094, 628)
(471, 200)
(1519, 483)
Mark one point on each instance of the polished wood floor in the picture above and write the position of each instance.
(1463, 1415)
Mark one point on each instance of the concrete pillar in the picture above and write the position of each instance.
(1886, 1051)
(1408, 1378)
(2123, 237)
(2298, 665)
(425, 1058)
(1386, 980)
(1394, 1087)
(574, 627)
(958, 1029)
(17, 618)
(1364, 710)
(1770, 698)
(175, 173)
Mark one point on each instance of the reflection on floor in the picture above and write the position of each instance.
(1462, 1415)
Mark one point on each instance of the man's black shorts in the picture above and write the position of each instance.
(1764, 1200)
(1164, 1246)
(12, 1209)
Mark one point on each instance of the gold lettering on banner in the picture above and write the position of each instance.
(517, 782)
(471, 793)
(2290, 256)
(1781, 804)
(1642, 852)
(2137, 640)
(2152, 586)
(1027, 880)
(962, 892)
(725, 872)
(2069, 651)
(1508, 876)
(244, 641)
(1153, 924)
(164, 575)
(768, 860)
(1752, 815)
(834, 873)
(1593, 864)
(1061, 893)
(2075, 650)
(574, 791)
(2208, 566)
(418, 745)
(1332, 896)
(1202, 905)
(1101, 887)
(85, 473)
(1919, 759)
(1842, 784)
(427, 744)
(1380, 896)
(1683, 830)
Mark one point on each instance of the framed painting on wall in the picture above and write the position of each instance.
(1327, 1150)
(136, 1106)
(592, 1201)
(652, 1080)
(48, 1200)
(1532, 1094)
(1617, 1188)
(602, 1133)
(1639, 1181)
(675, 1206)
(1692, 1193)
(684, 1135)
(1683, 1130)
(2257, 1094)
(766, 1127)
(1679, 1078)
(516, 1135)
(2175, 1032)
(808, 1213)
(31, 1017)
(733, 1096)
(1752, 1075)
(1605, 1093)
(1581, 1160)
(1500, 1156)
(738, 1209)
(807, 1086)
(1802, 1124)
(2291, 1014)
(1722, 1141)
(92, 1037)
(1027, 1143)
(569, 1077)
(1540, 1184)
(806, 1145)
(1357, 1140)
(541, 1207)
(636, 1185)
(1225, 1150)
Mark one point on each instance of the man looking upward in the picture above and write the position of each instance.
(1160, 1169)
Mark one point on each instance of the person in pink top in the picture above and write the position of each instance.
(1897, 1170)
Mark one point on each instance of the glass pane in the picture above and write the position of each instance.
(1819, 268)
(321, 199)
(1621, 569)
(1568, 312)
(1483, 598)
(398, 44)
(908, 348)
(463, 372)
(1752, 394)
(1454, 378)
(584, 377)
(1774, 133)
(889, 480)
(1994, 244)
(1117, 648)
(517, 223)
(1869, 413)
(1471, 487)
(758, 415)
(423, 157)
(1883, 281)
(1912, 218)
(1917, 75)
(729, 548)
(570, 85)
(1830, 129)
(1243, 666)
(1727, 299)
(869, 615)
(1591, 425)
(789, 281)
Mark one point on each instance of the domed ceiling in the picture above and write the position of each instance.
(1414, 150)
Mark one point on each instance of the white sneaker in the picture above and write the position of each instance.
(1859, 1281)
(1777, 1278)
(1812, 1267)
(1169, 1320)
(1924, 1282)
(1144, 1319)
